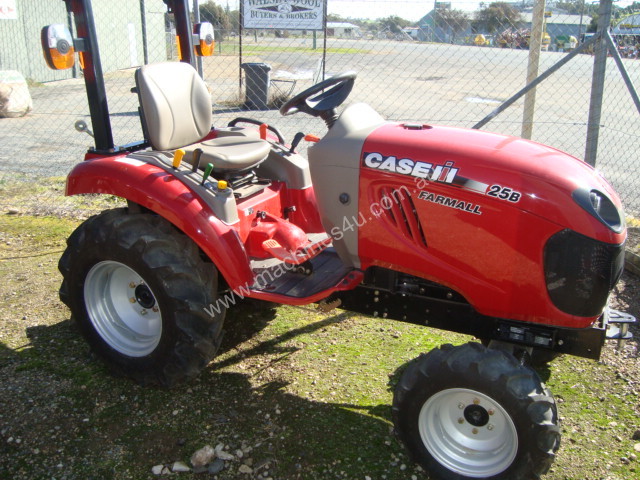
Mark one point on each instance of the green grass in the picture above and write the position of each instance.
(307, 393)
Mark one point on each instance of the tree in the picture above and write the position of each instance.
(217, 16)
(394, 24)
(454, 21)
(497, 16)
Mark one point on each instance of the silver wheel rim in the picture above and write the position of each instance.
(468, 432)
(122, 309)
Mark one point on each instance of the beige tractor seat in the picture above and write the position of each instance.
(229, 153)
(175, 110)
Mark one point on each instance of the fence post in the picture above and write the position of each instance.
(597, 84)
(196, 19)
(535, 45)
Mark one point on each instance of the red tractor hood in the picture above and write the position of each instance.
(534, 178)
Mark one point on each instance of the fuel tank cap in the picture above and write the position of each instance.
(415, 126)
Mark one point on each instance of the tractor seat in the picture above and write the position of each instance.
(175, 110)
(229, 154)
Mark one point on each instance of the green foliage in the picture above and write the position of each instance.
(453, 20)
(217, 16)
(497, 16)
(394, 24)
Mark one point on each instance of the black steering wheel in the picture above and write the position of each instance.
(322, 105)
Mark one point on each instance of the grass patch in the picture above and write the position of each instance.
(302, 395)
(46, 198)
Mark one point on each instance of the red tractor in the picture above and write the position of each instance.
(515, 243)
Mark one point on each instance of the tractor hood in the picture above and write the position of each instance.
(526, 175)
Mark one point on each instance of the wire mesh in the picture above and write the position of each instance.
(454, 65)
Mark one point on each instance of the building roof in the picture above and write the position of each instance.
(628, 26)
(341, 25)
(559, 19)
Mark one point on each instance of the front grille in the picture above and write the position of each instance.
(580, 272)
(401, 212)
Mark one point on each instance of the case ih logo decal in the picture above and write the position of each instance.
(450, 202)
(446, 173)
(405, 166)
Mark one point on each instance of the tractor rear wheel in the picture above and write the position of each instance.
(470, 412)
(138, 289)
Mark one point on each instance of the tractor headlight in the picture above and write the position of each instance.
(601, 207)
(580, 272)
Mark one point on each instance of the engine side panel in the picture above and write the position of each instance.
(473, 211)
(334, 163)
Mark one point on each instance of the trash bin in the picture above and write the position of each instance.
(257, 79)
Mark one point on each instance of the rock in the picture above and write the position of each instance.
(15, 99)
(220, 453)
(203, 456)
(180, 467)
(245, 469)
(160, 470)
(624, 460)
(216, 466)
(239, 453)
(636, 435)
(633, 457)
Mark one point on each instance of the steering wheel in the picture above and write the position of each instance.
(322, 105)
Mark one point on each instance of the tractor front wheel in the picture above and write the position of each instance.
(138, 289)
(469, 412)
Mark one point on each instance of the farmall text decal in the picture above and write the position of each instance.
(283, 14)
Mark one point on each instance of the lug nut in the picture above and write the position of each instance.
(476, 401)
(490, 427)
(461, 405)
(132, 285)
(474, 431)
(143, 312)
(461, 420)
(132, 300)
(491, 412)
(155, 309)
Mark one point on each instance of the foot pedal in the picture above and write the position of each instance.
(618, 326)
(295, 258)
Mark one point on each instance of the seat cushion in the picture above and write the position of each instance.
(176, 104)
(229, 153)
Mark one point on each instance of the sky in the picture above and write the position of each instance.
(411, 10)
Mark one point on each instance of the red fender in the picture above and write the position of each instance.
(164, 194)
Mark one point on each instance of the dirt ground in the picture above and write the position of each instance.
(291, 396)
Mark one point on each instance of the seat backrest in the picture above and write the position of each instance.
(175, 104)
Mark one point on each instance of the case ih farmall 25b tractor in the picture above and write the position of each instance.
(510, 241)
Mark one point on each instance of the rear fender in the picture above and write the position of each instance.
(164, 194)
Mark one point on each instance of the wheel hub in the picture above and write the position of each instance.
(122, 308)
(468, 432)
(476, 415)
(144, 297)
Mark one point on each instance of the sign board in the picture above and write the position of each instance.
(283, 14)
(8, 10)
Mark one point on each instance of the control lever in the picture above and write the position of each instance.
(296, 141)
(207, 172)
(82, 127)
(197, 153)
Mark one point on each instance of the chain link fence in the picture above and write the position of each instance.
(454, 66)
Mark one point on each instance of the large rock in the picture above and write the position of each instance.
(15, 99)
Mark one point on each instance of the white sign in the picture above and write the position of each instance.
(8, 10)
(283, 14)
